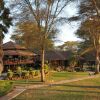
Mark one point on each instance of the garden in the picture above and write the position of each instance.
(23, 77)
(88, 89)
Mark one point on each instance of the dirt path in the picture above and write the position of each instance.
(18, 89)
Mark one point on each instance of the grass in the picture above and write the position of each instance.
(53, 76)
(58, 76)
(82, 90)
(5, 87)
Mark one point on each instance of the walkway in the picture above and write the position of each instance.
(18, 89)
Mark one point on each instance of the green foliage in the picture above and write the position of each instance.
(5, 22)
(33, 35)
(32, 73)
(36, 72)
(19, 71)
(4, 17)
(25, 73)
(46, 68)
(10, 74)
(69, 45)
(5, 87)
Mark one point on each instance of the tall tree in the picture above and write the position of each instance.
(90, 33)
(87, 9)
(5, 22)
(46, 13)
(89, 14)
(70, 45)
(32, 40)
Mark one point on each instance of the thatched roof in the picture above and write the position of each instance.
(58, 55)
(90, 56)
(12, 46)
(18, 52)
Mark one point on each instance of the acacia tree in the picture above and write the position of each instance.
(90, 33)
(70, 45)
(89, 14)
(32, 40)
(45, 13)
(5, 22)
(87, 9)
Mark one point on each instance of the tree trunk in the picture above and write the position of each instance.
(1, 56)
(97, 62)
(42, 66)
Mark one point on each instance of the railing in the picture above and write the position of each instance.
(18, 62)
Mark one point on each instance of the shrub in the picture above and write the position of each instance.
(30, 69)
(10, 74)
(5, 87)
(32, 73)
(36, 73)
(58, 69)
(69, 69)
(19, 71)
(46, 68)
(25, 74)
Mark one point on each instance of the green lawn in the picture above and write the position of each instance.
(57, 76)
(5, 87)
(82, 90)
(53, 77)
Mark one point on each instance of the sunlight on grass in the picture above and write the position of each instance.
(82, 90)
(53, 76)
(57, 76)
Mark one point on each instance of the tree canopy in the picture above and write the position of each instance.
(5, 22)
(27, 34)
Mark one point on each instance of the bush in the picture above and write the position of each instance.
(10, 74)
(58, 69)
(36, 73)
(5, 87)
(46, 68)
(25, 74)
(19, 71)
(69, 69)
(32, 73)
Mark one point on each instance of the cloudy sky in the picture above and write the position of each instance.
(66, 31)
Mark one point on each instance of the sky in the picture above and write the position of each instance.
(66, 30)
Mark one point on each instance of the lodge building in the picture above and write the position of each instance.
(16, 55)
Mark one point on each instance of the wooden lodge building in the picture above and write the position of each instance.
(56, 58)
(16, 55)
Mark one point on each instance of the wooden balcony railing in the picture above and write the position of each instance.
(18, 62)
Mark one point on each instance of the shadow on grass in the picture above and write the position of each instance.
(68, 91)
(80, 86)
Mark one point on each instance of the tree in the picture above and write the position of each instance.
(70, 45)
(87, 9)
(90, 33)
(46, 13)
(32, 40)
(89, 14)
(5, 20)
